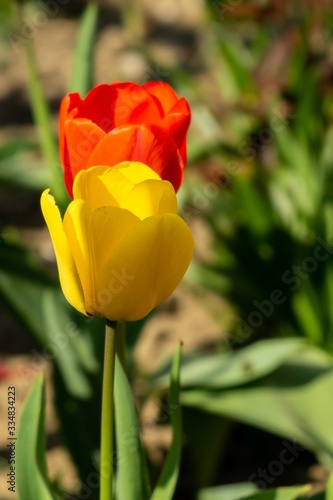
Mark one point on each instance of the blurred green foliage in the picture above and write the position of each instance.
(264, 181)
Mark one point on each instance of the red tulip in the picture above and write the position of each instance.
(124, 121)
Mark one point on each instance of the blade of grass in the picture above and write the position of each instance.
(81, 80)
(42, 117)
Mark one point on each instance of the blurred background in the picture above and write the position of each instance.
(254, 311)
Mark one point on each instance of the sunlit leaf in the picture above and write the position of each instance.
(228, 491)
(284, 493)
(132, 476)
(292, 402)
(245, 365)
(167, 481)
(32, 480)
(82, 72)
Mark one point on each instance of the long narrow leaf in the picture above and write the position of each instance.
(32, 480)
(166, 485)
(329, 488)
(35, 305)
(42, 117)
(284, 493)
(81, 80)
(226, 369)
(292, 403)
(131, 472)
(235, 491)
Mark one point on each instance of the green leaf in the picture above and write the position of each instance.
(296, 187)
(72, 353)
(292, 402)
(238, 59)
(81, 80)
(328, 221)
(258, 216)
(307, 307)
(249, 491)
(167, 481)
(18, 165)
(20, 175)
(7, 18)
(215, 438)
(32, 480)
(284, 493)
(329, 488)
(81, 416)
(227, 491)
(69, 340)
(229, 369)
(42, 117)
(320, 495)
(41, 306)
(44, 310)
(329, 290)
(132, 475)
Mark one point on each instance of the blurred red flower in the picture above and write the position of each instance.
(124, 121)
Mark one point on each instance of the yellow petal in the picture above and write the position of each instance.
(108, 227)
(144, 268)
(90, 186)
(151, 197)
(136, 171)
(76, 226)
(108, 186)
(69, 279)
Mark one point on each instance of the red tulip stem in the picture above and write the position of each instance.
(106, 458)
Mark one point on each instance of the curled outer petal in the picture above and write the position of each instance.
(69, 278)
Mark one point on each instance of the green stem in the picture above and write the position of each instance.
(106, 463)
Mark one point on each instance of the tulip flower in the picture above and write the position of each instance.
(124, 122)
(121, 248)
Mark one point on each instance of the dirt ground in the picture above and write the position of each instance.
(171, 29)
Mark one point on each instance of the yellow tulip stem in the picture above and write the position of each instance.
(121, 343)
(106, 463)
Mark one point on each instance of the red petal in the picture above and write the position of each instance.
(148, 144)
(163, 93)
(118, 104)
(68, 104)
(81, 138)
(176, 123)
(83, 123)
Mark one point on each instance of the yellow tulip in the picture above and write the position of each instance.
(121, 248)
